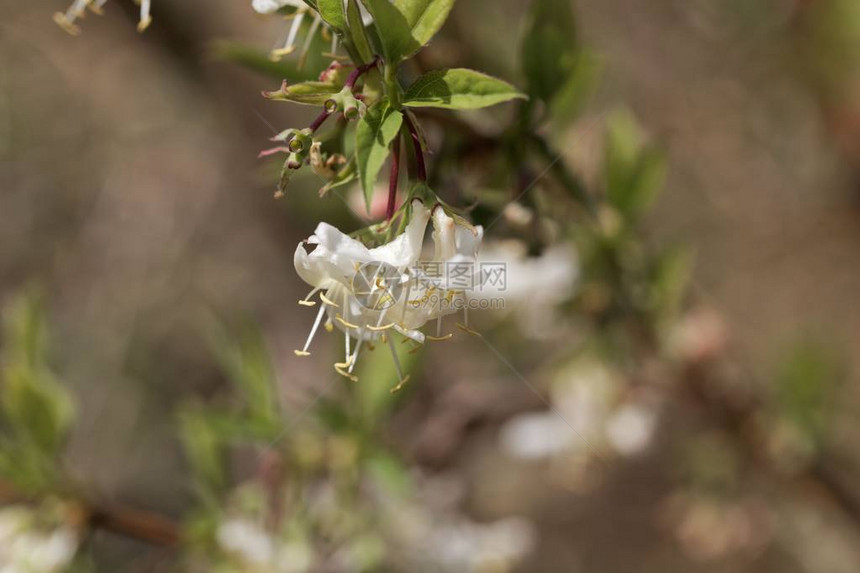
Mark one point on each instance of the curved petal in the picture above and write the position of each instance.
(405, 249)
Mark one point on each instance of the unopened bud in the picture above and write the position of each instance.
(294, 161)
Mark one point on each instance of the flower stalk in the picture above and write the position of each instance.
(392, 179)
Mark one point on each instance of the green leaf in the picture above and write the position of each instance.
(806, 382)
(246, 363)
(458, 88)
(425, 17)
(405, 26)
(374, 133)
(356, 31)
(309, 93)
(332, 12)
(634, 170)
(574, 93)
(203, 448)
(549, 48)
(394, 30)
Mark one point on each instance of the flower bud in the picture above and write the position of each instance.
(294, 161)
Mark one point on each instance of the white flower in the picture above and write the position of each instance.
(272, 6)
(289, 46)
(535, 436)
(443, 280)
(23, 547)
(533, 287)
(77, 10)
(361, 288)
(331, 268)
(247, 540)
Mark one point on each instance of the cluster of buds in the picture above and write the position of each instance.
(299, 144)
(347, 103)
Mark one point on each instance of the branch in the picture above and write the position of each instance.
(143, 525)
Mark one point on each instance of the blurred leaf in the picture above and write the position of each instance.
(671, 276)
(257, 60)
(805, 385)
(634, 170)
(375, 131)
(309, 93)
(458, 89)
(36, 408)
(572, 95)
(377, 375)
(390, 472)
(203, 448)
(245, 361)
(549, 49)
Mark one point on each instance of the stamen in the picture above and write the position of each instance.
(313, 332)
(301, 353)
(145, 18)
(339, 369)
(307, 300)
(341, 320)
(380, 328)
(97, 7)
(465, 328)
(67, 20)
(448, 336)
(328, 301)
(329, 327)
(400, 385)
(354, 358)
(303, 54)
(400, 378)
(290, 44)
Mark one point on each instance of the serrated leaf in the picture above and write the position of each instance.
(332, 12)
(549, 48)
(376, 130)
(458, 88)
(308, 93)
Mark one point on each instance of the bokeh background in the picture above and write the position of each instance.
(131, 195)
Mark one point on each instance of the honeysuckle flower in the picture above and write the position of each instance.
(331, 268)
(25, 546)
(78, 8)
(302, 9)
(366, 292)
(446, 278)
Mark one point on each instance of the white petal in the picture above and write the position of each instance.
(405, 249)
(272, 6)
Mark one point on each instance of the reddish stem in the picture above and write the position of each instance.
(416, 143)
(315, 125)
(392, 179)
(358, 72)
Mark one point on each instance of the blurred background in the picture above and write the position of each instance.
(133, 201)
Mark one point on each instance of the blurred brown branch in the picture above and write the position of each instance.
(143, 525)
